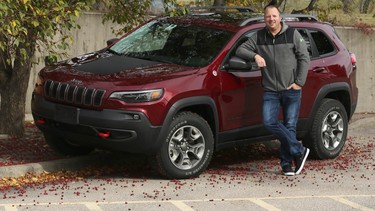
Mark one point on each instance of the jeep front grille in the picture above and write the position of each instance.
(73, 94)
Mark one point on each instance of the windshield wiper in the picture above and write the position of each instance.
(153, 58)
(113, 52)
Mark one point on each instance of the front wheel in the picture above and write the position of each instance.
(329, 130)
(188, 148)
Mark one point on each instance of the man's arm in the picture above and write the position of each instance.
(247, 50)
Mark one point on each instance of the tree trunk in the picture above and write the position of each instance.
(365, 6)
(13, 95)
(279, 5)
(12, 111)
(346, 6)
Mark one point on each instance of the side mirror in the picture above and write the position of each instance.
(236, 63)
(111, 41)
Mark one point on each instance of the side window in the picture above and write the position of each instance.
(305, 36)
(322, 43)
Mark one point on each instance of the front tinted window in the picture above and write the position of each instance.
(182, 44)
(243, 39)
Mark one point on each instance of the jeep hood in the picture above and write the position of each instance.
(111, 67)
(107, 63)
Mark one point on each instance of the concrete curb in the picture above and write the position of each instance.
(89, 160)
(50, 166)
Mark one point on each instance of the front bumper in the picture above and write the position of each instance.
(118, 130)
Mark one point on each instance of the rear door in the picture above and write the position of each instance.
(323, 66)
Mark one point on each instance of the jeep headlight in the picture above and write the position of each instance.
(138, 96)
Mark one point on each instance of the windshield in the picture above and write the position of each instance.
(181, 44)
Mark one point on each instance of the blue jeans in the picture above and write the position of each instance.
(289, 101)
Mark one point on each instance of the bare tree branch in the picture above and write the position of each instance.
(307, 9)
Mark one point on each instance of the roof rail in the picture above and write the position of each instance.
(252, 20)
(299, 17)
(221, 9)
(286, 17)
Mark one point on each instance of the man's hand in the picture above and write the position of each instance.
(294, 86)
(260, 61)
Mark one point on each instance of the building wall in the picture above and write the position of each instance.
(362, 46)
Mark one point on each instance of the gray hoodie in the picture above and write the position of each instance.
(286, 57)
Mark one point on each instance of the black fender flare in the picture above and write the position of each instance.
(186, 102)
(326, 90)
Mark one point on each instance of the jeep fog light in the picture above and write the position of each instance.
(138, 96)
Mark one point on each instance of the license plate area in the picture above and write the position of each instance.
(67, 114)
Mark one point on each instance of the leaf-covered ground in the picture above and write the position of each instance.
(29, 149)
(256, 162)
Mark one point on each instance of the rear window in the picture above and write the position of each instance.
(322, 42)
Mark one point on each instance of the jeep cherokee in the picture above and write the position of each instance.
(174, 89)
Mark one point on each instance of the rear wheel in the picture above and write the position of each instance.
(64, 147)
(329, 130)
(188, 148)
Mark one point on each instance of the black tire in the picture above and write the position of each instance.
(64, 147)
(329, 130)
(189, 137)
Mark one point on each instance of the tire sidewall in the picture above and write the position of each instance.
(166, 167)
(320, 150)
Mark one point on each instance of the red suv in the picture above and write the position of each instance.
(173, 88)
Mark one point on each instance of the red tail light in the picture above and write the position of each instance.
(353, 58)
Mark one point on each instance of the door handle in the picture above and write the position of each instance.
(319, 70)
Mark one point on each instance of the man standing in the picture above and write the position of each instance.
(281, 54)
